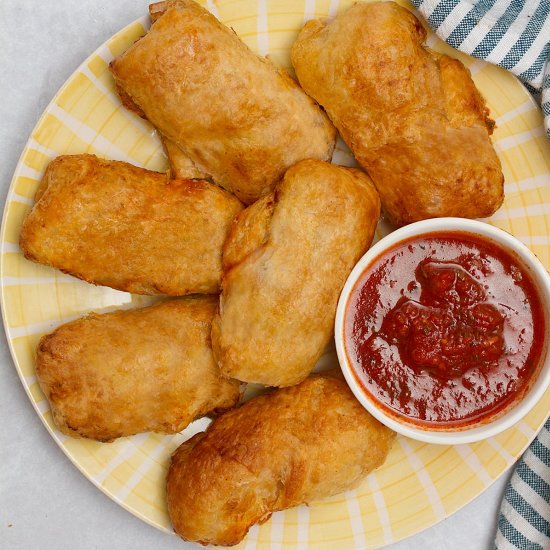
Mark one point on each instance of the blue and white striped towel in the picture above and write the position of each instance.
(514, 34)
(524, 520)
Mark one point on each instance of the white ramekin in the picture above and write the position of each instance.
(522, 406)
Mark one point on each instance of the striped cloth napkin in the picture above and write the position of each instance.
(524, 520)
(514, 34)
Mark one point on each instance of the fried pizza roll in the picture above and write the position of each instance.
(111, 223)
(412, 117)
(279, 450)
(121, 373)
(235, 115)
(286, 260)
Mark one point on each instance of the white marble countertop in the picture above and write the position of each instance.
(45, 502)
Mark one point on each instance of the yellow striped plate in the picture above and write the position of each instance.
(420, 484)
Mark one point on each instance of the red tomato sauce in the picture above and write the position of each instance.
(445, 329)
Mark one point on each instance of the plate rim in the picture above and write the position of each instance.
(145, 22)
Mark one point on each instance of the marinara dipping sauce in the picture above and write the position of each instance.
(444, 330)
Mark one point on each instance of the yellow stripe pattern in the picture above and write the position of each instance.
(420, 484)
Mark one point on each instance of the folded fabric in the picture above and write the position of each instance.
(524, 520)
(514, 34)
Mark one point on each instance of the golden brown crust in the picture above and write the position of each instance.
(289, 447)
(128, 103)
(235, 115)
(157, 9)
(181, 166)
(413, 118)
(248, 232)
(111, 223)
(286, 260)
(121, 373)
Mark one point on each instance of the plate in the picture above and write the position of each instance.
(419, 484)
